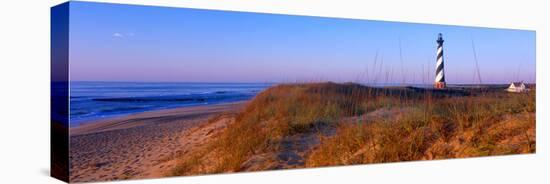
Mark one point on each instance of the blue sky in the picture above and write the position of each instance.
(113, 42)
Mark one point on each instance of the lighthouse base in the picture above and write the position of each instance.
(440, 85)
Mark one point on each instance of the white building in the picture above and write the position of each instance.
(516, 87)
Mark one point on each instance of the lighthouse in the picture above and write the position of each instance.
(439, 69)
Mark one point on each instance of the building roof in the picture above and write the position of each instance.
(517, 84)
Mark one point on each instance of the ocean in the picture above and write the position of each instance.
(98, 100)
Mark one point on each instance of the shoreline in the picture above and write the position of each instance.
(88, 120)
(113, 123)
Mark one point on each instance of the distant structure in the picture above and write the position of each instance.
(439, 70)
(516, 87)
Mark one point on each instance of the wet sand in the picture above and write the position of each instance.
(137, 146)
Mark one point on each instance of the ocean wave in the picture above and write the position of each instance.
(98, 100)
(149, 99)
(120, 109)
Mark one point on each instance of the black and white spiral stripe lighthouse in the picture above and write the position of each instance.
(439, 69)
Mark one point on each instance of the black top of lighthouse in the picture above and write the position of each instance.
(440, 39)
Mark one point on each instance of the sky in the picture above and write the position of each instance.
(114, 42)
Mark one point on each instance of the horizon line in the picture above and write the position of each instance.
(233, 82)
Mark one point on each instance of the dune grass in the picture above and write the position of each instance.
(428, 125)
(494, 123)
(282, 111)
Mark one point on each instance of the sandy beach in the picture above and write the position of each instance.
(142, 145)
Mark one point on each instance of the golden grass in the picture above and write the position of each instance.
(428, 125)
(282, 111)
(494, 123)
